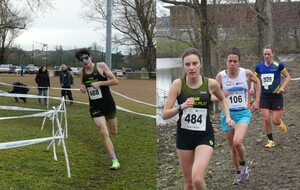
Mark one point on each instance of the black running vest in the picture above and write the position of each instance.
(202, 99)
(95, 76)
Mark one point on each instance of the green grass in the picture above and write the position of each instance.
(173, 47)
(33, 167)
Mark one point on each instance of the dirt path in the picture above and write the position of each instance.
(270, 169)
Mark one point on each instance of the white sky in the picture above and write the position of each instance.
(65, 26)
(62, 26)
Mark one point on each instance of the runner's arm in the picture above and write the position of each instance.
(169, 110)
(82, 87)
(214, 89)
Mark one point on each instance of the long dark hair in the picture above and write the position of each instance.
(41, 69)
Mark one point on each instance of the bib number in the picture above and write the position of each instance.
(236, 99)
(267, 80)
(94, 93)
(194, 119)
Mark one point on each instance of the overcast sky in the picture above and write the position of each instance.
(62, 26)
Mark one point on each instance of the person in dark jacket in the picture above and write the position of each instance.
(43, 81)
(66, 82)
(19, 88)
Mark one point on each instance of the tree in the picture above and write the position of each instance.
(13, 20)
(135, 22)
(200, 10)
(265, 24)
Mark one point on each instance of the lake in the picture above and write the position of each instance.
(167, 69)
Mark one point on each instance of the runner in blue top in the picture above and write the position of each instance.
(234, 84)
(271, 98)
(195, 135)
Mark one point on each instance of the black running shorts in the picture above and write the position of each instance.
(109, 112)
(271, 101)
(189, 140)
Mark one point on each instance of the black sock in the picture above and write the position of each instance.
(243, 163)
(270, 136)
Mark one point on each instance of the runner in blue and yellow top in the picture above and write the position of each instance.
(95, 80)
(271, 98)
(234, 84)
(195, 135)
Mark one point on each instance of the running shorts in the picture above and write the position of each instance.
(239, 116)
(109, 112)
(271, 101)
(189, 140)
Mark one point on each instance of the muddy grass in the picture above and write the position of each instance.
(270, 169)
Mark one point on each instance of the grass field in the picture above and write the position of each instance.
(33, 167)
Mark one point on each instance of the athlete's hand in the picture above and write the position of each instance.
(82, 89)
(226, 93)
(189, 103)
(230, 123)
(251, 91)
(255, 106)
(95, 84)
(280, 90)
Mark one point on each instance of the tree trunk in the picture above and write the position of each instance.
(205, 38)
(265, 24)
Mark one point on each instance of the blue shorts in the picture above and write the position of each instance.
(240, 116)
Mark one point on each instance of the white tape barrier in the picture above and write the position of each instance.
(53, 115)
(141, 114)
(133, 99)
(77, 89)
(118, 107)
(15, 144)
(295, 78)
(42, 114)
(28, 96)
(15, 108)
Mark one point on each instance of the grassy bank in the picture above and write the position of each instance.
(33, 167)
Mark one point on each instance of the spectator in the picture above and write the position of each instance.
(66, 82)
(22, 68)
(19, 88)
(43, 81)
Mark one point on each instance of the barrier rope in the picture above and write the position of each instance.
(77, 89)
(52, 114)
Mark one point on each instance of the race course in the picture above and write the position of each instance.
(33, 167)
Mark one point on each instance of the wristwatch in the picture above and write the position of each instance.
(178, 107)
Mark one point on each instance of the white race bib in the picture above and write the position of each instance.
(194, 119)
(267, 80)
(236, 99)
(94, 93)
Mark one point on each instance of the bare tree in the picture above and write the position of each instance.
(198, 31)
(15, 17)
(135, 21)
(266, 30)
(11, 22)
(265, 23)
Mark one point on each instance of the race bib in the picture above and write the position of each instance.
(236, 99)
(94, 93)
(194, 119)
(267, 80)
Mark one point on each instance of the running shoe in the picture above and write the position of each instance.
(115, 165)
(237, 180)
(270, 144)
(244, 173)
(282, 127)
